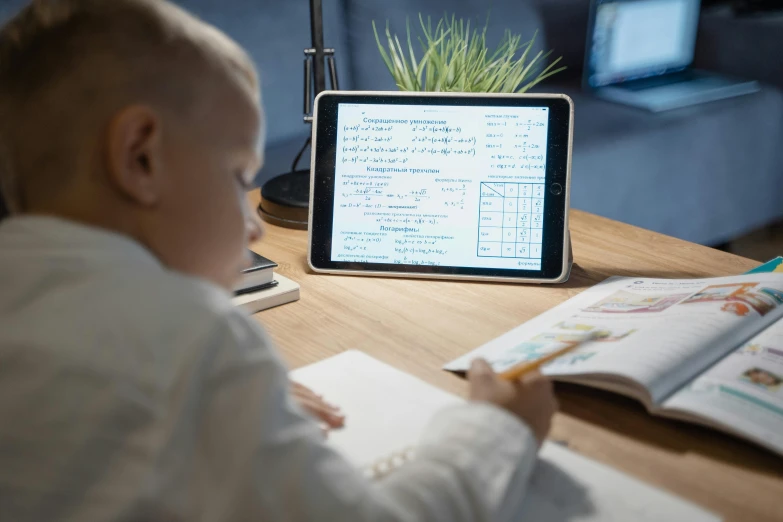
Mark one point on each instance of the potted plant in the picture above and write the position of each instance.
(454, 59)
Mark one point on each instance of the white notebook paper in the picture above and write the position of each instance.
(387, 410)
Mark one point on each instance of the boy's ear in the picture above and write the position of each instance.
(134, 154)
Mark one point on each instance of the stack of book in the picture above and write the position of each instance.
(261, 287)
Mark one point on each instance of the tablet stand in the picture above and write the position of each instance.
(570, 258)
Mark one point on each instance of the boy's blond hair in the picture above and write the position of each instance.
(67, 65)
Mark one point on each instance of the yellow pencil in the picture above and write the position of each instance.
(518, 370)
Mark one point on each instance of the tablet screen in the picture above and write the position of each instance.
(440, 185)
(422, 185)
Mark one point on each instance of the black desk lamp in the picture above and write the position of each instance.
(285, 199)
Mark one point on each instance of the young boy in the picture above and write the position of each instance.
(130, 388)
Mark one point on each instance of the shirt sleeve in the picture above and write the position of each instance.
(259, 457)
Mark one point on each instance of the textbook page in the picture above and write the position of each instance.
(387, 411)
(658, 333)
(743, 393)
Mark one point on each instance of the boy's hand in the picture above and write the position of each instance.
(531, 399)
(315, 405)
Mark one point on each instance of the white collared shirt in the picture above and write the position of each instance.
(129, 392)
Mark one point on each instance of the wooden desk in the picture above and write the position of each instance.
(418, 325)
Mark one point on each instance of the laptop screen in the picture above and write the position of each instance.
(633, 39)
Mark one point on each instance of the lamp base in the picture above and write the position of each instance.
(285, 200)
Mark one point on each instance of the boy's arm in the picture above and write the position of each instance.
(259, 458)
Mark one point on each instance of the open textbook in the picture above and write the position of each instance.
(387, 411)
(708, 351)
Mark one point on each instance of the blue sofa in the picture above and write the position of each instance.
(705, 174)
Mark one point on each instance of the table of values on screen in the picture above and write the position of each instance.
(443, 186)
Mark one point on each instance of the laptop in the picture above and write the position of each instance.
(639, 53)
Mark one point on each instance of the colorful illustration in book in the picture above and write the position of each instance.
(738, 309)
(744, 293)
(610, 336)
(564, 332)
(576, 358)
(719, 292)
(774, 293)
(531, 350)
(556, 337)
(761, 302)
(574, 326)
(571, 359)
(751, 349)
(628, 302)
(763, 379)
(526, 352)
(602, 334)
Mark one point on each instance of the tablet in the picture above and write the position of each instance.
(465, 186)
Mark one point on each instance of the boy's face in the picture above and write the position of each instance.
(211, 165)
